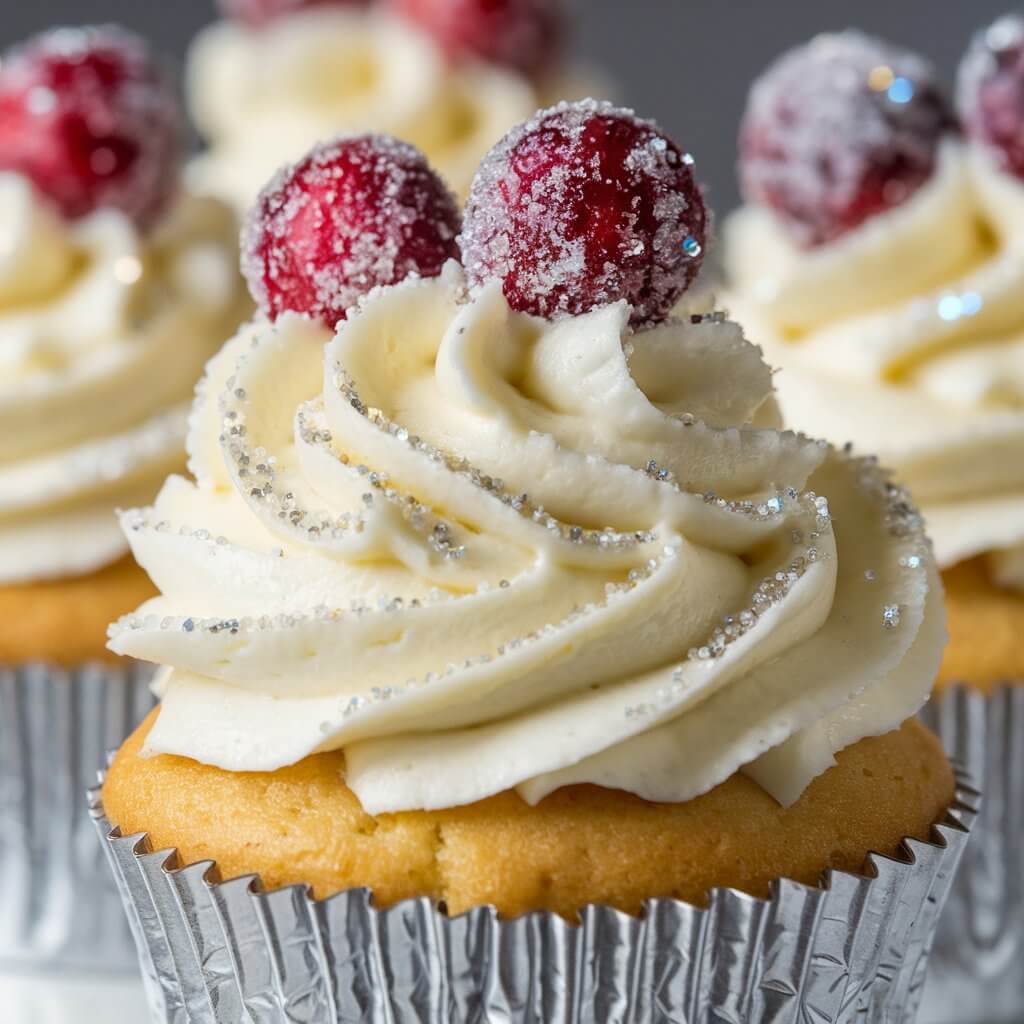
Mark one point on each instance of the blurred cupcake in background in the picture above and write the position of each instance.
(116, 286)
(504, 594)
(880, 262)
(449, 76)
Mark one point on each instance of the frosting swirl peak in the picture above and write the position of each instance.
(478, 550)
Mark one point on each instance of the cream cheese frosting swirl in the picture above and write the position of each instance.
(478, 550)
(263, 96)
(103, 333)
(907, 336)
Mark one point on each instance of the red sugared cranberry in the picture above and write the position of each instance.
(354, 214)
(526, 35)
(582, 207)
(838, 130)
(990, 91)
(88, 115)
(261, 12)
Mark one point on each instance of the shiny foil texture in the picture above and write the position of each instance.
(854, 949)
(58, 907)
(977, 973)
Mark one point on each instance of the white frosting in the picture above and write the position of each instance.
(262, 97)
(478, 550)
(103, 333)
(907, 337)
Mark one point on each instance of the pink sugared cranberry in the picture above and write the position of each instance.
(353, 214)
(839, 130)
(584, 206)
(526, 35)
(260, 12)
(89, 116)
(990, 91)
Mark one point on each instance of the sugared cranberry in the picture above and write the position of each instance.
(838, 130)
(260, 12)
(584, 206)
(990, 91)
(353, 214)
(88, 115)
(526, 35)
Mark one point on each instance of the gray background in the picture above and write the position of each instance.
(686, 62)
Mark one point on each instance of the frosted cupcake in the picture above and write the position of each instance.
(880, 261)
(276, 76)
(115, 288)
(511, 592)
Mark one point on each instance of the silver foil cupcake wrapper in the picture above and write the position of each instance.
(977, 972)
(58, 907)
(854, 949)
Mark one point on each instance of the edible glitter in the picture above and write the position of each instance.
(891, 616)
(768, 593)
(606, 538)
(653, 470)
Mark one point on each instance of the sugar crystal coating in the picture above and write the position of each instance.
(88, 115)
(839, 130)
(526, 35)
(354, 214)
(583, 206)
(990, 91)
(261, 12)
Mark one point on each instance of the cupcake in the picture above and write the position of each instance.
(115, 288)
(880, 261)
(449, 76)
(492, 629)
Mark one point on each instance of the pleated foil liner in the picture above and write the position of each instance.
(977, 972)
(58, 905)
(855, 949)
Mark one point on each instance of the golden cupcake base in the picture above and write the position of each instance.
(986, 629)
(581, 845)
(64, 622)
